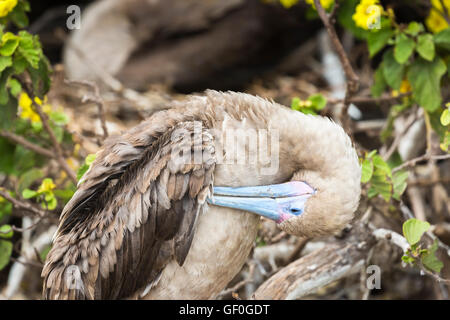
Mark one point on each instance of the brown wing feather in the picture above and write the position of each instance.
(136, 202)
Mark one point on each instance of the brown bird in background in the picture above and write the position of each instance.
(170, 209)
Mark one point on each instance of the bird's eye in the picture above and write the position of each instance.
(295, 211)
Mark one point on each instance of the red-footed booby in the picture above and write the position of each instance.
(168, 211)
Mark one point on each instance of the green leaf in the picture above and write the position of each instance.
(318, 100)
(64, 195)
(50, 202)
(28, 194)
(4, 77)
(27, 178)
(5, 62)
(414, 28)
(6, 231)
(5, 253)
(404, 47)
(90, 158)
(379, 84)
(408, 259)
(425, 46)
(85, 167)
(381, 166)
(59, 118)
(14, 86)
(378, 40)
(367, 170)
(399, 183)
(18, 15)
(19, 63)
(295, 104)
(445, 117)
(30, 49)
(7, 156)
(9, 44)
(430, 261)
(413, 229)
(392, 70)
(442, 39)
(381, 185)
(425, 78)
(41, 78)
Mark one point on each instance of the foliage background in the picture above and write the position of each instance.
(50, 130)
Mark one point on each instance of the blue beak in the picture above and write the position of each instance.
(277, 202)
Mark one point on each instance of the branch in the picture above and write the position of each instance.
(398, 240)
(371, 100)
(413, 162)
(27, 144)
(22, 205)
(97, 99)
(340, 258)
(352, 78)
(313, 271)
(399, 136)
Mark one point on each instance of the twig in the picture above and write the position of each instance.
(23, 205)
(109, 80)
(96, 98)
(28, 263)
(391, 236)
(433, 275)
(34, 225)
(27, 144)
(425, 182)
(399, 136)
(240, 284)
(413, 162)
(395, 238)
(367, 100)
(352, 78)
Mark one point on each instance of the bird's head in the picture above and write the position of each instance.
(300, 208)
(319, 199)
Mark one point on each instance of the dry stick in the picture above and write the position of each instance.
(97, 99)
(27, 144)
(397, 139)
(413, 162)
(23, 205)
(240, 284)
(110, 81)
(352, 78)
(361, 100)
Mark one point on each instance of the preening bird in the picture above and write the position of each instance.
(170, 209)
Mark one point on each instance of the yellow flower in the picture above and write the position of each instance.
(325, 3)
(288, 3)
(405, 87)
(367, 13)
(47, 185)
(6, 7)
(26, 111)
(435, 20)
